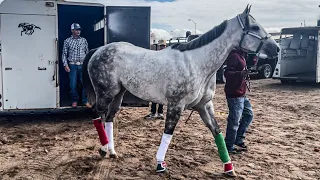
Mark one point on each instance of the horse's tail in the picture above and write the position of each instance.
(91, 95)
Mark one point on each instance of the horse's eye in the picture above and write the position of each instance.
(255, 28)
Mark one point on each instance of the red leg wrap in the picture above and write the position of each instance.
(228, 167)
(101, 132)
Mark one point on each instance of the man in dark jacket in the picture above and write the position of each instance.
(240, 110)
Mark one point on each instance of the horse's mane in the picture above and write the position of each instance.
(204, 39)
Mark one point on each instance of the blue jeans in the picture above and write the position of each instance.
(239, 118)
(75, 72)
(154, 108)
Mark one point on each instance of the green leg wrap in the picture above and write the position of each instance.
(222, 148)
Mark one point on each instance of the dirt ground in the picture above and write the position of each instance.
(283, 142)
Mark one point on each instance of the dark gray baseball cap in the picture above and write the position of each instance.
(75, 26)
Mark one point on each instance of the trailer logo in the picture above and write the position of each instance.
(27, 28)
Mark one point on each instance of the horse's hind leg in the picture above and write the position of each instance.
(98, 109)
(173, 115)
(113, 108)
(206, 112)
(97, 121)
(101, 107)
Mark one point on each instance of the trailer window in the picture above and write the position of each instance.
(285, 40)
(99, 25)
(305, 41)
(296, 40)
(286, 36)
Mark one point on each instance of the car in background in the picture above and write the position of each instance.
(257, 64)
(261, 65)
(176, 40)
(192, 37)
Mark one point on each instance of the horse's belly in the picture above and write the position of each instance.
(145, 90)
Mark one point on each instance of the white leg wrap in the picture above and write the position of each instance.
(109, 131)
(165, 141)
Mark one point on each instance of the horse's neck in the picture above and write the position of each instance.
(211, 57)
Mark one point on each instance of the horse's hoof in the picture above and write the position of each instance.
(162, 167)
(102, 153)
(231, 173)
(229, 170)
(113, 156)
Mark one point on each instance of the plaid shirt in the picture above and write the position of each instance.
(74, 50)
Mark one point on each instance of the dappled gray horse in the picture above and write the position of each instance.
(181, 76)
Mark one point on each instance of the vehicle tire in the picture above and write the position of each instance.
(266, 71)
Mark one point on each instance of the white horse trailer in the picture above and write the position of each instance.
(299, 56)
(32, 34)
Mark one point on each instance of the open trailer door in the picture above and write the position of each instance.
(130, 24)
(89, 17)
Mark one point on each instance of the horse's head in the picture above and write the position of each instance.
(21, 24)
(255, 38)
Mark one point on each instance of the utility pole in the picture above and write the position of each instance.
(195, 26)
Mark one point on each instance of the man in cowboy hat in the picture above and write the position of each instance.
(154, 113)
(74, 50)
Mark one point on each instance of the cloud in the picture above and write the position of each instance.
(157, 34)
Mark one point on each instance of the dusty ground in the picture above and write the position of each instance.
(283, 141)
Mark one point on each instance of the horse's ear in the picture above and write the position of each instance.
(247, 10)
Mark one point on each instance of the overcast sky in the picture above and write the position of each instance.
(173, 15)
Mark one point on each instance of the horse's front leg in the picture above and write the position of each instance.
(173, 115)
(206, 112)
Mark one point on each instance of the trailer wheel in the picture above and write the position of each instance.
(266, 71)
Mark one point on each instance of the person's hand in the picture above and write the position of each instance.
(244, 73)
(67, 69)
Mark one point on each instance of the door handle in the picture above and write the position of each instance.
(42, 68)
(56, 64)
